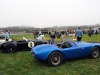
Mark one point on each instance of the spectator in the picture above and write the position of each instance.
(89, 33)
(37, 34)
(34, 33)
(96, 32)
(58, 34)
(40, 32)
(49, 32)
(52, 37)
(41, 37)
(63, 34)
(7, 35)
(79, 34)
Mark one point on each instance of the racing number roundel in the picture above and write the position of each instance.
(31, 44)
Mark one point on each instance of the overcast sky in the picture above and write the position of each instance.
(47, 13)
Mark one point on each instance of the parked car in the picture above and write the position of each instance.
(2, 37)
(54, 54)
(15, 45)
(3, 40)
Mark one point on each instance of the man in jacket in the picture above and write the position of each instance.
(79, 34)
(7, 35)
(52, 37)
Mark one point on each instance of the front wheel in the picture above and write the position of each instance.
(95, 52)
(11, 49)
(55, 59)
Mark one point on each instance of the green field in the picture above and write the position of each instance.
(94, 38)
(22, 62)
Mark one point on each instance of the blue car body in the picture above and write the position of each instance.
(77, 49)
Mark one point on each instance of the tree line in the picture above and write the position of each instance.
(29, 29)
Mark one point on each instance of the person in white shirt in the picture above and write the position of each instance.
(41, 37)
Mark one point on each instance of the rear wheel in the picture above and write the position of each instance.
(55, 59)
(11, 49)
(95, 52)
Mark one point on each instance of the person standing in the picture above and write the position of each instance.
(96, 32)
(90, 32)
(41, 37)
(7, 35)
(52, 37)
(34, 34)
(79, 34)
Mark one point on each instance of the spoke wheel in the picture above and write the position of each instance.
(95, 52)
(11, 49)
(55, 59)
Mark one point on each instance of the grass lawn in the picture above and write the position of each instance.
(22, 62)
(94, 38)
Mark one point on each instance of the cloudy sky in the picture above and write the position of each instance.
(47, 13)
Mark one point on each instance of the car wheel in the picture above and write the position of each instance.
(55, 59)
(95, 52)
(11, 49)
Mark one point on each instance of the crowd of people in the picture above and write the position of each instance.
(76, 34)
(58, 34)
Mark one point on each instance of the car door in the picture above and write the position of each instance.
(23, 45)
(84, 51)
(71, 52)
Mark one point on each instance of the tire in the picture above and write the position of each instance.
(11, 49)
(55, 59)
(95, 53)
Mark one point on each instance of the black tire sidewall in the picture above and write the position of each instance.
(50, 57)
(10, 46)
(91, 54)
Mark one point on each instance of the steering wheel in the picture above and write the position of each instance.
(24, 38)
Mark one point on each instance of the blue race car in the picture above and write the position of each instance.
(54, 54)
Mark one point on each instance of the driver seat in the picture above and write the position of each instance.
(66, 45)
